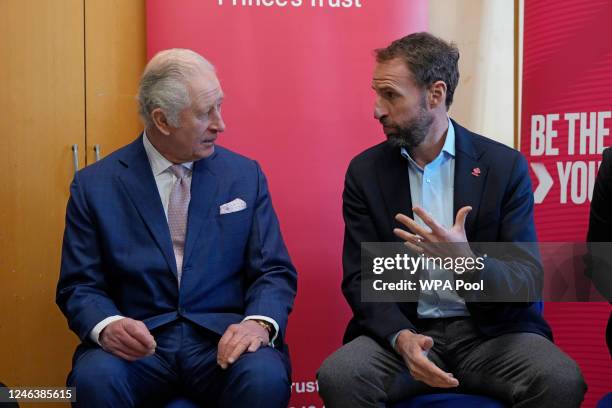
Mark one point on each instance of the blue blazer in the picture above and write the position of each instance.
(117, 256)
(377, 187)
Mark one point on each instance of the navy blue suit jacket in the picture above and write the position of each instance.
(377, 187)
(117, 256)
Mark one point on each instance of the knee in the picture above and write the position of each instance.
(98, 377)
(562, 383)
(262, 374)
(338, 374)
(326, 375)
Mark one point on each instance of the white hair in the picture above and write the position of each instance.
(164, 83)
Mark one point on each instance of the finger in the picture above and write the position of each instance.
(239, 348)
(433, 373)
(435, 380)
(438, 384)
(407, 236)
(412, 247)
(139, 332)
(124, 355)
(121, 351)
(426, 342)
(412, 225)
(223, 352)
(436, 228)
(256, 343)
(461, 216)
(422, 376)
(130, 343)
(229, 333)
(445, 384)
(223, 349)
(425, 366)
(231, 345)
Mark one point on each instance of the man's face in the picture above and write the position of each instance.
(200, 121)
(401, 105)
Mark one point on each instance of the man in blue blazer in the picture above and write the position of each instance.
(174, 272)
(434, 182)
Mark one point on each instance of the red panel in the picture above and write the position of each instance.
(567, 57)
(298, 99)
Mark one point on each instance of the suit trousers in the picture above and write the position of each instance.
(184, 363)
(520, 369)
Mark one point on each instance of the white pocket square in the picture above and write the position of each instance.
(232, 207)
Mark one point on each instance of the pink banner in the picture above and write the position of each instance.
(297, 75)
(566, 121)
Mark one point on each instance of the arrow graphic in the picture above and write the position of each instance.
(544, 180)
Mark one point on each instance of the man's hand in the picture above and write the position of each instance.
(424, 240)
(413, 348)
(128, 338)
(238, 338)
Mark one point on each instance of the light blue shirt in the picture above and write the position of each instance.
(432, 188)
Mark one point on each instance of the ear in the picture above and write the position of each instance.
(437, 95)
(161, 121)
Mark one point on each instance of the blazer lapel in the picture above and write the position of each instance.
(394, 183)
(470, 177)
(204, 186)
(139, 183)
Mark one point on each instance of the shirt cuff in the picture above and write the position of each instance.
(269, 320)
(94, 334)
(393, 337)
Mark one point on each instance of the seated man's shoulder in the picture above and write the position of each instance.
(495, 153)
(370, 155)
(233, 162)
(106, 166)
(225, 154)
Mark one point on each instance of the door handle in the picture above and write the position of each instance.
(75, 157)
(96, 149)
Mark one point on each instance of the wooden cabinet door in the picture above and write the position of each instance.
(70, 72)
(115, 55)
(42, 104)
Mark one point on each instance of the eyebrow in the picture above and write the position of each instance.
(207, 93)
(383, 87)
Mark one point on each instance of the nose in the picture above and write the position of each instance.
(379, 111)
(217, 124)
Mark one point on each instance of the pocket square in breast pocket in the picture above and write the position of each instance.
(232, 207)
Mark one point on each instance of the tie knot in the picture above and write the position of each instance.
(178, 170)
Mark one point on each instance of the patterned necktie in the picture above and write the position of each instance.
(177, 214)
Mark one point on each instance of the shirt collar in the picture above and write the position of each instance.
(158, 162)
(449, 143)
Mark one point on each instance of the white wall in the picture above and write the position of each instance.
(484, 32)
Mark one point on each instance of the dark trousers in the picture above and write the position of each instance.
(519, 369)
(185, 363)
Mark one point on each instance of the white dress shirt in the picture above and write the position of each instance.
(165, 179)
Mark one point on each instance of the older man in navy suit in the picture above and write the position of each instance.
(174, 272)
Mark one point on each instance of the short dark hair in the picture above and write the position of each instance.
(428, 57)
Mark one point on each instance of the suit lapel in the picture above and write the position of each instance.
(139, 183)
(204, 186)
(394, 182)
(470, 177)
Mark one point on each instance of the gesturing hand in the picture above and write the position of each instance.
(413, 347)
(238, 338)
(421, 239)
(128, 338)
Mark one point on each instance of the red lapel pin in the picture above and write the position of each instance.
(476, 171)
